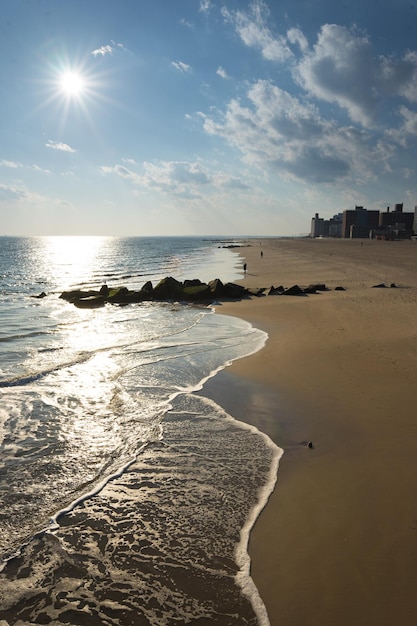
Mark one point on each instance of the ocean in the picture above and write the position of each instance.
(125, 497)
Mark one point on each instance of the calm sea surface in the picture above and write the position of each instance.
(125, 498)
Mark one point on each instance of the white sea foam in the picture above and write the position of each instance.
(157, 489)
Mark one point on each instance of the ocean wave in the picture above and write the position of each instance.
(165, 539)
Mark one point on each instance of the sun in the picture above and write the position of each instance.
(72, 84)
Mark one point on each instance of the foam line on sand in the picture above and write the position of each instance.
(337, 543)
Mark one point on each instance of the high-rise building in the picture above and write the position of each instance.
(316, 226)
(359, 223)
(398, 221)
(326, 228)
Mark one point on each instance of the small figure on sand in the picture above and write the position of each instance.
(244, 267)
(262, 253)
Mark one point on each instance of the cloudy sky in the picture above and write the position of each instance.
(229, 117)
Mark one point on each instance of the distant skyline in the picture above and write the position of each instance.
(198, 117)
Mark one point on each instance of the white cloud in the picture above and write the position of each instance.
(9, 193)
(17, 164)
(187, 179)
(123, 172)
(182, 67)
(11, 164)
(205, 6)
(222, 72)
(253, 29)
(229, 182)
(103, 50)
(186, 23)
(410, 120)
(182, 179)
(343, 68)
(175, 176)
(57, 145)
(290, 137)
(296, 37)
(107, 49)
(37, 168)
(407, 129)
(399, 76)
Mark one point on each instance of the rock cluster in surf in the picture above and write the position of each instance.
(169, 289)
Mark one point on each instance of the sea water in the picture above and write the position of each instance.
(125, 498)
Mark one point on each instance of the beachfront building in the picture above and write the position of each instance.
(401, 222)
(335, 225)
(317, 229)
(326, 228)
(359, 223)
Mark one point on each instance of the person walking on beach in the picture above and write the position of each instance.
(244, 267)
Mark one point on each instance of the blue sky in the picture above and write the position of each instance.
(183, 117)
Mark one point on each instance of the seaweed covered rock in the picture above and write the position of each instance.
(123, 295)
(78, 294)
(168, 289)
(197, 292)
(90, 302)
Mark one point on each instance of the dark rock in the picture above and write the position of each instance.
(295, 290)
(315, 287)
(147, 288)
(380, 286)
(195, 282)
(168, 289)
(123, 295)
(90, 302)
(41, 295)
(231, 290)
(117, 294)
(393, 286)
(197, 292)
(339, 289)
(256, 291)
(276, 291)
(78, 294)
(216, 288)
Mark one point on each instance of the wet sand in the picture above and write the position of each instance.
(337, 543)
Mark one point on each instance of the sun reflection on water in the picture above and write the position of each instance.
(73, 258)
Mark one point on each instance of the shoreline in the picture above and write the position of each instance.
(336, 542)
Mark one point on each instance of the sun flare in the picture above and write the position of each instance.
(72, 83)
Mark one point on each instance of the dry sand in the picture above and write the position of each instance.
(337, 543)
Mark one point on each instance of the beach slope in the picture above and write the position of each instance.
(337, 543)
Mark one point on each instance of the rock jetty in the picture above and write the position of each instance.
(169, 289)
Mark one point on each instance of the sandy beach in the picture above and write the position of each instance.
(337, 543)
